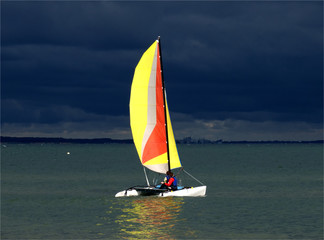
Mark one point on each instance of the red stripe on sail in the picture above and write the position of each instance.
(156, 144)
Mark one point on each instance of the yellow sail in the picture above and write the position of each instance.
(147, 115)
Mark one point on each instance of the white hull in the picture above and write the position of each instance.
(127, 193)
(186, 192)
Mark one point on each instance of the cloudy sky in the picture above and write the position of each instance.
(235, 70)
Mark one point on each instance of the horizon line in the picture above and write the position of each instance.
(111, 140)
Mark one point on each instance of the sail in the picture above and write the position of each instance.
(147, 115)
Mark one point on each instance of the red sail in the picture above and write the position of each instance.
(158, 136)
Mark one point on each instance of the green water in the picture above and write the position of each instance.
(270, 191)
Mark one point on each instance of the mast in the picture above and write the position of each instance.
(164, 104)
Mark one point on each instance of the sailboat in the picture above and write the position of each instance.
(151, 126)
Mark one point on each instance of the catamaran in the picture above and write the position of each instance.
(151, 127)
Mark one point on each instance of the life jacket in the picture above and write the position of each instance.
(166, 179)
(175, 183)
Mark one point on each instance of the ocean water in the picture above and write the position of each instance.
(266, 191)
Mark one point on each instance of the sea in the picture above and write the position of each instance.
(254, 191)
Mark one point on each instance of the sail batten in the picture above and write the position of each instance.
(149, 114)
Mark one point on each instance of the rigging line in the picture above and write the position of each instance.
(147, 181)
(180, 170)
(193, 177)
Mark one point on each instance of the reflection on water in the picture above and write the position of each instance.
(146, 217)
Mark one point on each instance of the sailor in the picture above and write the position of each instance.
(170, 181)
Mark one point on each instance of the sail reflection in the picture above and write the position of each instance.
(149, 218)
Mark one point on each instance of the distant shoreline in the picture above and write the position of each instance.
(189, 140)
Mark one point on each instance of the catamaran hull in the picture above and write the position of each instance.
(186, 192)
(127, 193)
(141, 191)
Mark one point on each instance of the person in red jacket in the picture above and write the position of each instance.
(170, 181)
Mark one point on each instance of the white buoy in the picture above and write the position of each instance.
(68, 153)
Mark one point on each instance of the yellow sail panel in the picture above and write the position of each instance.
(158, 164)
(147, 114)
(173, 151)
(138, 105)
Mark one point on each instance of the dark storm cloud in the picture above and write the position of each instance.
(267, 58)
(238, 61)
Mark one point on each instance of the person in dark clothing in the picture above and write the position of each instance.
(170, 181)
